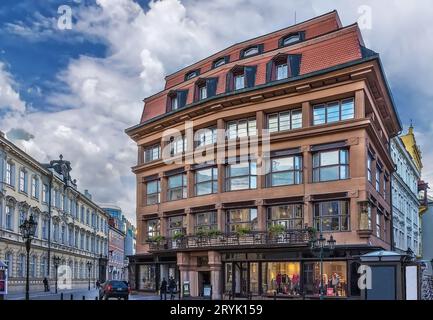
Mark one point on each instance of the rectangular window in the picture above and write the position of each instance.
(44, 193)
(331, 216)
(241, 176)
(153, 228)
(290, 216)
(369, 163)
(205, 221)
(378, 218)
(285, 171)
(205, 137)
(241, 219)
(331, 165)
(239, 81)
(9, 217)
(23, 177)
(202, 92)
(175, 226)
(45, 229)
(206, 181)
(174, 103)
(177, 145)
(378, 175)
(284, 121)
(35, 187)
(241, 128)
(152, 153)
(8, 173)
(153, 192)
(334, 112)
(177, 187)
(333, 275)
(282, 71)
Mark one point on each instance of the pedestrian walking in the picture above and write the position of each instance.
(46, 287)
(172, 287)
(163, 289)
(98, 284)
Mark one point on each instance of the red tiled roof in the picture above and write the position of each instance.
(320, 50)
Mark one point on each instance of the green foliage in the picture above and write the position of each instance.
(276, 229)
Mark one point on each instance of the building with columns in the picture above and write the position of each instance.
(70, 225)
(249, 154)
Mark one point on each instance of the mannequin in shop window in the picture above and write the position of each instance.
(278, 282)
(295, 284)
(335, 283)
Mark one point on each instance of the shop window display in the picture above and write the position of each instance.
(282, 278)
(334, 278)
(147, 277)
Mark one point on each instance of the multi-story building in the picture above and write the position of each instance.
(70, 225)
(405, 202)
(317, 101)
(116, 252)
(121, 228)
(427, 236)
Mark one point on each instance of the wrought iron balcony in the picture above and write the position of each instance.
(289, 238)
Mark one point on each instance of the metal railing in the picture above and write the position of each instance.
(259, 238)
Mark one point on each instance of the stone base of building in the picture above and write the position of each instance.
(19, 286)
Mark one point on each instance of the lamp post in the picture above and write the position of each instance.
(320, 245)
(89, 267)
(56, 262)
(28, 230)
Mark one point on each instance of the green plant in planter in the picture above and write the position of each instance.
(276, 230)
(178, 236)
(214, 233)
(201, 233)
(157, 239)
(243, 231)
(312, 232)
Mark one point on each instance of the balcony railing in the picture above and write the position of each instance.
(287, 238)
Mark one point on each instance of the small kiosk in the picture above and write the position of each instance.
(390, 276)
(3, 280)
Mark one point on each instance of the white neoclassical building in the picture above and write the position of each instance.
(405, 202)
(71, 227)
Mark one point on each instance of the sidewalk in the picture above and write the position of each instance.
(41, 295)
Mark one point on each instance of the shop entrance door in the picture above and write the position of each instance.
(241, 279)
(203, 280)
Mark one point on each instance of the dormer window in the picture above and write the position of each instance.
(176, 99)
(239, 81)
(220, 61)
(241, 77)
(205, 88)
(202, 92)
(252, 51)
(292, 39)
(283, 66)
(192, 74)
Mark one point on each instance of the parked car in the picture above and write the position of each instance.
(114, 289)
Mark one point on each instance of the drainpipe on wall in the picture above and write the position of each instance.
(392, 212)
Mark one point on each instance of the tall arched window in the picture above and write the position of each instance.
(9, 212)
(43, 271)
(23, 180)
(9, 263)
(32, 270)
(21, 265)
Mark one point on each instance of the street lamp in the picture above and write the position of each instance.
(321, 245)
(89, 267)
(28, 230)
(56, 261)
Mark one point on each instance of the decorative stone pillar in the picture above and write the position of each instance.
(221, 222)
(216, 274)
(163, 186)
(183, 265)
(306, 114)
(261, 215)
(359, 104)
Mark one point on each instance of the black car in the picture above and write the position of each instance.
(114, 289)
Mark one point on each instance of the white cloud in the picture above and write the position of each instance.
(103, 95)
(9, 97)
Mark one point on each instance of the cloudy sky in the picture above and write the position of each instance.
(74, 91)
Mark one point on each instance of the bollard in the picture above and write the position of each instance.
(72, 296)
(84, 297)
(61, 296)
(275, 295)
(96, 298)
